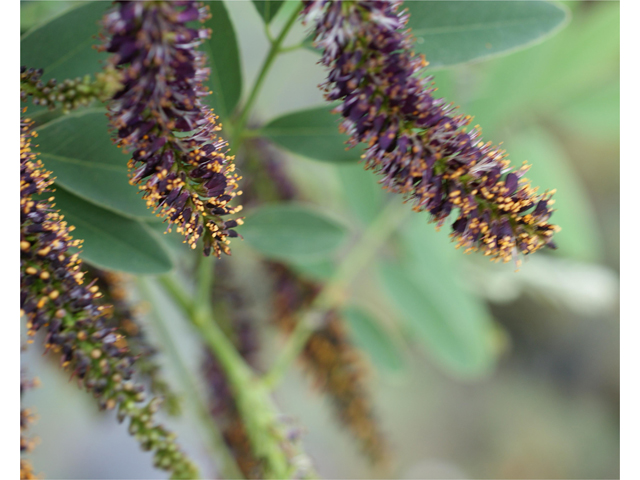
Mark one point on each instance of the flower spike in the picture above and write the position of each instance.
(418, 143)
(55, 299)
(178, 161)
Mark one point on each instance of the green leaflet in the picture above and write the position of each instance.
(314, 134)
(79, 151)
(455, 32)
(62, 46)
(292, 232)
(225, 80)
(373, 340)
(109, 240)
(454, 326)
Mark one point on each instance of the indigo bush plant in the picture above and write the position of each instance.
(144, 164)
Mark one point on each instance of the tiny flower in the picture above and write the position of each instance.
(178, 161)
(416, 142)
(55, 299)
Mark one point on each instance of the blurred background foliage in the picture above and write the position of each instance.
(478, 371)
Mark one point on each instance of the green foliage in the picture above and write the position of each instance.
(312, 133)
(32, 13)
(454, 326)
(111, 241)
(454, 32)
(223, 58)
(528, 82)
(374, 340)
(268, 8)
(291, 231)
(362, 192)
(63, 45)
(78, 149)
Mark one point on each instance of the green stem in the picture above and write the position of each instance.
(190, 385)
(336, 291)
(201, 317)
(239, 126)
(252, 399)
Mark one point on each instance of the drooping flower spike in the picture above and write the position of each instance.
(331, 360)
(418, 143)
(178, 161)
(55, 299)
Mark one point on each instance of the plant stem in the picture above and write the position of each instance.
(190, 385)
(202, 318)
(239, 126)
(335, 292)
(252, 399)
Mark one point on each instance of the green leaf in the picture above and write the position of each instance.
(63, 45)
(223, 56)
(597, 115)
(292, 232)
(454, 32)
(373, 340)
(451, 323)
(364, 195)
(313, 134)
(267, 8)
(79, 151)
(573, 65)
(551, 169)
(33, 13)
(320, 270)
(109, 240)
(453, 330)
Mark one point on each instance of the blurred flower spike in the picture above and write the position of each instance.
(418, 143)
(188, 177)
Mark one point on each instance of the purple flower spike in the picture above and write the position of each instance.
(416, 142)
(177, 159)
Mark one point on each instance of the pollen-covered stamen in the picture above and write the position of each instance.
(418, 144)
(178, 161)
